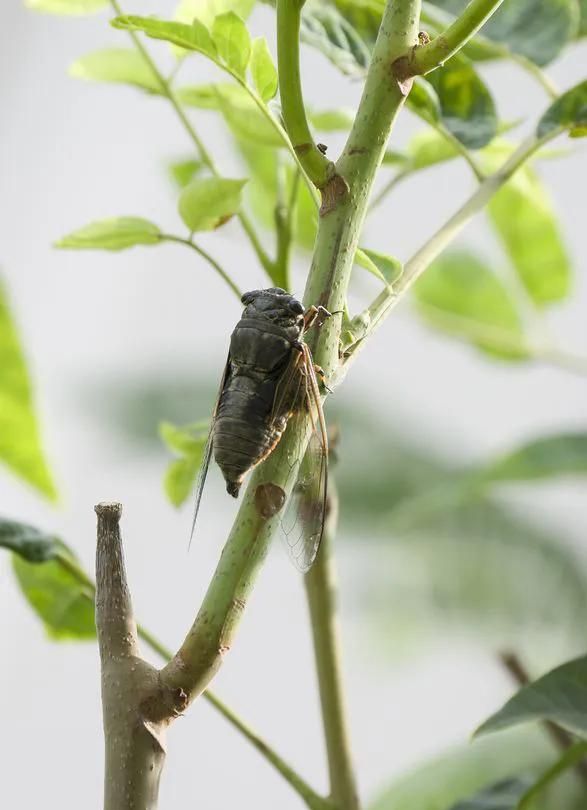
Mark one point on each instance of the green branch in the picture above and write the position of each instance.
(313, 161)
(166, 237)
(313, 800)
(428, 57)
(203, 154)
(421, 260)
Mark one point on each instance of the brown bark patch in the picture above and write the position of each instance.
(335, 190)
(269, 499)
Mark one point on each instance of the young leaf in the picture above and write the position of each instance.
(194, 37)
(386, 268)
(121, 65)
(209, 96)
(504, 795)
(522, 215)
(428, 148)
(207, 10)
(263, 70)
(548, 457)
(180, 477)
(182, 171)
(537, 29)
(65, 605)
(332, 120)
(27, 541)
(67, 6)
(559, 696)
(117, 233)
(583, 18)
(184, 440)
(466, 106)
(246, 120)
(324, 28)
(205, 204)
(232, 41)
(460, 295)
(423, 101)
(20, 441)
(568, 112)
(189, 442)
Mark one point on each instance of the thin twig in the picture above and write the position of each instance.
(166, 237)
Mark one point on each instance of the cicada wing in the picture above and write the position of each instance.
(203, 471)
(302, 524)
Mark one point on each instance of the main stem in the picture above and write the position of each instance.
(320, 584)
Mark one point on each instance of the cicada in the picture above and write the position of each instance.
(269, 377)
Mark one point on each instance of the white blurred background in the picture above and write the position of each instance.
(96, 325)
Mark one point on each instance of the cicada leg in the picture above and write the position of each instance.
(315, 316)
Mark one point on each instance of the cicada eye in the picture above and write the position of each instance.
(248, 297)
(296, 307)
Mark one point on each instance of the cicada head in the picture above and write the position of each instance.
(273, 303)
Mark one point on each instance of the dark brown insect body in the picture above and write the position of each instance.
(269, 376)
(251, 416)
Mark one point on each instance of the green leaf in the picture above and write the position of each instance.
(207, 203)
(559, 696)
(20, 441)
(120, 65)
(27, 541)
(423, 101)
(428, 148)
(458, 294)
(332, 120)
(65, 605)
(583, 18)
(194, 37)
(263, 70)
(179, 479)
(547, 457)
(232, 41)
(209, 96)
(189, 442)
(239, 110)
(206, 10)
(324, 28)
(246, 120)
(262, 192)
(466, 106)
(182, 171)
(117, 233)
(504, 795)
(521, 213)
(439, 783)
(568, 112)
(387, 268)
(537, 29)
(67, 6)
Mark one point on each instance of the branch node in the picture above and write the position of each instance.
(402, 70)
(333, 192)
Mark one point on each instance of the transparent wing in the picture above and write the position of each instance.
(203, 471)
(302, 524)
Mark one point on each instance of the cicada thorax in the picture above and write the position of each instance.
(261, 388)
